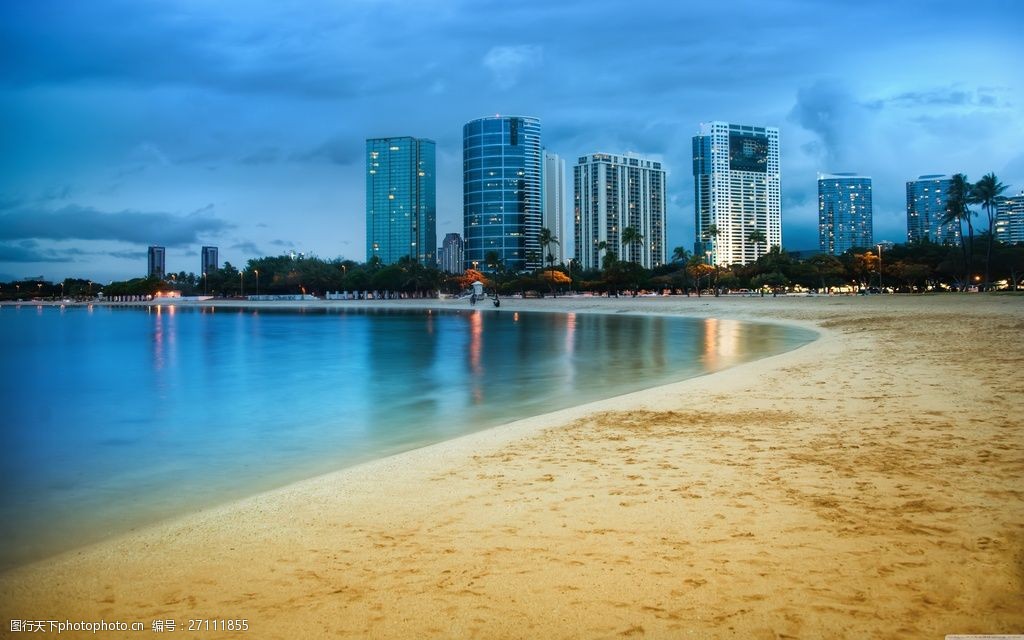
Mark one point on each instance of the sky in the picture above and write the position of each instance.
(242, 124)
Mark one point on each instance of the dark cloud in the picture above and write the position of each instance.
(75, 222)
(282, 243)
(129, 255)
(18, 252)
(938, 98)
(827, 109)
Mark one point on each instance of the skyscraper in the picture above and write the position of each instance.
(401, 202)
(844, 212)
(502, 191)
(554, 205)
(1010, 219)
(612, 193)
(209, 261)
(926, 206)
(452, 253)
(157, 266)
(736, 191)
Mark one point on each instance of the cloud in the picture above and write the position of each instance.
(834, 114)
(20, 253)
(339, 149)
(507, 63)
(264, 155)
(75, 222)
(940, 97)
(129, 255)
(248, 247)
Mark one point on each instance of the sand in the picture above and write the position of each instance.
(870, 484)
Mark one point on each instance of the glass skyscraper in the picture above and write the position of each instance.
(157, 268)
(210, 263)
(926, 206)
(844, 212)
(554, 205)
(401, 201)
(737, 190)
(502, 205)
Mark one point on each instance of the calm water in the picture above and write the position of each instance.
(113, 418)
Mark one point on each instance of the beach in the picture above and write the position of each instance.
(869, 484)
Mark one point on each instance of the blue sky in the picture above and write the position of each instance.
(242, 124)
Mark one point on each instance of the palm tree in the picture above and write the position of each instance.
(985, 192)
(679, 254)
(711, 235)
(630, 237)
(958, 196)
(546, 239)
(757, 237)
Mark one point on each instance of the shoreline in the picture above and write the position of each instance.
(513, 531)
(516, 428)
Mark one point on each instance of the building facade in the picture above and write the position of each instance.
(452, 258)
(926, 207)
(401, 201)
(157, 262)
(612, 193)
(554, 206)
(1010, 219)
(502, 204)
(210, 262)
(737, 190)
(844, 212)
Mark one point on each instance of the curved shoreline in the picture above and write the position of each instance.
(865, 484)
(447, 306)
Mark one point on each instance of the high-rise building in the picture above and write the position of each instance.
(844, 212)
(736, 191)
(210, 263)
(612, 193)
(1010, 219)
(452, 253)
(926, 207)
(157, 264)
(401, 201)
(502, 208)
(554, 205)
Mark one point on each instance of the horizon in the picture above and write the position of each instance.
(188, 125)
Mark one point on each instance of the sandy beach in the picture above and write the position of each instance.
(869, 484)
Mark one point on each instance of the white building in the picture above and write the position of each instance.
(612, 193)
(1010, 219)
(736, 191)
(553, 197)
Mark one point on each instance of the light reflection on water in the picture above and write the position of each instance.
(118, 417)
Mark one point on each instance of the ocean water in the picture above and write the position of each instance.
(113, 418)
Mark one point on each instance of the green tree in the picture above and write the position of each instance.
(757, 237)
(631, 238)
(986, 192)
(679, 254)
(958, 197)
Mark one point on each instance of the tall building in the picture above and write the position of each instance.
(926, 206)
(401, 201)
(844, 212)
(157, 264)
(736, 191)
(1010, 219)
(612, 193)
(210, 262)
(554, 205)
(452, 253)
(502, 209)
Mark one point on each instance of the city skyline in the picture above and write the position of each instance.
(164, 125)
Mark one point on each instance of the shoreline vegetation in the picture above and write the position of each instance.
(868, 484)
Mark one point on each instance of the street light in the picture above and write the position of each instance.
(257, 271)
(204, 284)
(241, 284)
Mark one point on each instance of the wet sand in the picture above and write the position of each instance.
(870, 484)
